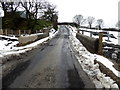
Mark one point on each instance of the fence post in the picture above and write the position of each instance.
(29, 32)
(82, 32)
(36, 31)
(90, 34)
(19, 32)
(108, 36)
(12, 32)
(1, 31)
(24, 32)
(6, 32)
(100, 44)
(78, 31)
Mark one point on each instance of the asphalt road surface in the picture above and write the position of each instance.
(52, 67)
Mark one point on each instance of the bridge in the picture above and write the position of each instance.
(68, 23)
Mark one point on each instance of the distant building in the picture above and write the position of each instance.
(22, 14)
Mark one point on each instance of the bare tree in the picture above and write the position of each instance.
(9, 6)
(79, 20)
(32, 10)
(13, 6)
(28, 8)
(90, 20)
(100, 23)
(50, 12)
(4, 7)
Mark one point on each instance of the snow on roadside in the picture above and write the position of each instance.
(7, 50)
(12, 37)
(7, 44)
(86, 59)
(108, 64)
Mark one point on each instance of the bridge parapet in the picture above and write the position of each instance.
(68, 23)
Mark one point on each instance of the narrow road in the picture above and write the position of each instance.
(53, 67)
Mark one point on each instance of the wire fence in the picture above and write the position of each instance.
(108, 50)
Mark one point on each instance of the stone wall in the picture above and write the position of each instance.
(23, 40)
(91, 44)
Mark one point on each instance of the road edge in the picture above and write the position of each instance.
(83, 75)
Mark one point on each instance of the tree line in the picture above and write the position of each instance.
(80, 20)
(28, 15)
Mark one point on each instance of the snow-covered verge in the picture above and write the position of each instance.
(86, 60)
(8, 48)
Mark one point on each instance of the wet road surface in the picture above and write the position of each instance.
(51, 67)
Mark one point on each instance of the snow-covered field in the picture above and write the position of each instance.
(112, 40)
(4, 43)
(86, 60)
(8, 47)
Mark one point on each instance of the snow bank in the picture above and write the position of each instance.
(108, 64)
(6, 45)
(86, 60)
(11, 37)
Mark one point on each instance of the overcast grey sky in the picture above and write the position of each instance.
(100, 9)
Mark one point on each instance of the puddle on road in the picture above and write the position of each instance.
(74, 80)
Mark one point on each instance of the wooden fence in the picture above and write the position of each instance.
(1, 32)
(14, 32)
(21, 32)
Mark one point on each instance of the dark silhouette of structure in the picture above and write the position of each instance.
(68, 23)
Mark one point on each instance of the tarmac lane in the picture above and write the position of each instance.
(52, 67)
